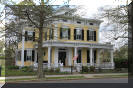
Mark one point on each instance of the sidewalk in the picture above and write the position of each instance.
(85, 75)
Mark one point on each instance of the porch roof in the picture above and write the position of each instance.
(57, 43)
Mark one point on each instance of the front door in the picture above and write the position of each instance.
(62, 57)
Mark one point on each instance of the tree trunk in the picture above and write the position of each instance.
(40, 48)
(40, 55)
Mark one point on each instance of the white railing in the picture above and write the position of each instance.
(102, 65)
(45, 65)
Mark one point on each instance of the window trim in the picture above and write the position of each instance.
(91, 35)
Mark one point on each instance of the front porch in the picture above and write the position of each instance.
(60, 55)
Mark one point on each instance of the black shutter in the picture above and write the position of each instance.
(33, 36)
(94, 35)
(87, 35)
(33, 55)
(82, 34)
(88, 56)
(52, 34)
(74, 34)
(45, 35)
(25, 54)
(60, 33)
(37, 57)
(69, 34)
(95, 56)
(26, 35)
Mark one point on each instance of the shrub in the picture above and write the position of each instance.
(85, 69)
(51, 70)
(57, 70)
(12, 67)
(92, 68)
(27, 69)
(46, 69)
(121, 63)
(2, 57)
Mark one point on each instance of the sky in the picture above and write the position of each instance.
(89, 7)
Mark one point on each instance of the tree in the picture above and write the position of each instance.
(116, 26)
(40, 16)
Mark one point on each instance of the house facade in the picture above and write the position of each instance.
(66, 39)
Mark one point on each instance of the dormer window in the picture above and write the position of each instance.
(91, 24)
(79, 22)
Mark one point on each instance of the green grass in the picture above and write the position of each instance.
(2, 64)
(67, 77)
(3, 71)
(22, 73)
(112, 76)
(47, 78)
(19, 73)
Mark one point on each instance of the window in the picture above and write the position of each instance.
(78, 34)
(29, 36)
(29, 55)
(65, 33)
(45, 35)
(91, 35)
(51, 34)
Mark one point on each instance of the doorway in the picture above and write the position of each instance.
(62, 57)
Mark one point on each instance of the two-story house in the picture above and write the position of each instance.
(68, 37)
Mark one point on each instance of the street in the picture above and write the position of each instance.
(103, 80)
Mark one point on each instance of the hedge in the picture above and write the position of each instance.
(121, 63)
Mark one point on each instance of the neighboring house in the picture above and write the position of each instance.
(69, 37)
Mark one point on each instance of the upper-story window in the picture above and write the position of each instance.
(65, 33)
(29, 36)
(91, 35)
(45, 35)
(51, 34)
(78, 34)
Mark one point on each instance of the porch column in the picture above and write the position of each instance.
(112, 60)
(75, 54)
(49, 56)
(69, 56)
(56, 58)
(91, 61)
(98, 57)
(22, 51)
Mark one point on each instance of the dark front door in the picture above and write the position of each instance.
(62, 57)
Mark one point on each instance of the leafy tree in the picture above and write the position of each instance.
(116, 25)
(40, 16)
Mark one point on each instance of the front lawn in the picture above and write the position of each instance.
(44, 79)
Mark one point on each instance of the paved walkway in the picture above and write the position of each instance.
(85, 75)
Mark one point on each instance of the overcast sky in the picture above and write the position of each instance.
(89, 7)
